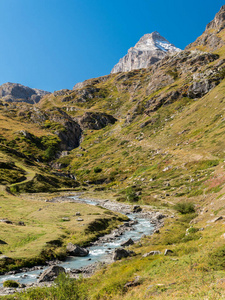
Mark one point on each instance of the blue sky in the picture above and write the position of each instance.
(53, 44)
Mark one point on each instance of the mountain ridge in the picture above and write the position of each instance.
(212, 37)
(16, 92)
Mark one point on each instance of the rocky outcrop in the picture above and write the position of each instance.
(15, 92)
(219, 21)
(150, 49)
(210, 37)
(200, 88)
(127, 243)
(51, 273)
(75, 250)
(58, 122)
(71, 135)
(122, 253)
(95, 120)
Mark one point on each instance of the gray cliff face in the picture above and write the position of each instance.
(150, 49)
(15, 92)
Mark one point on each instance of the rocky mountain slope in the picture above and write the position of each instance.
(212, 37)
(15, 92)
(150, 49)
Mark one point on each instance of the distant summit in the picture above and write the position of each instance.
(150, 48)
(15, 92)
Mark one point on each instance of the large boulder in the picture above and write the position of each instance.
(137, 209)
(127, 243)
(199, 89)
(51, 273)
(75, 250)
(121, 253)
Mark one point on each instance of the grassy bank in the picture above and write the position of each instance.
(39, 230)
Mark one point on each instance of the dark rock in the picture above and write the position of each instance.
(5, 221)
(137, 209)
(2, 242)
(57, 243)
(121, 253)
(95, 120)
(76, 271)
(127, 243)
(21, 223)
(75, 250)
(51, 273)
(168, 252)
(160, 216)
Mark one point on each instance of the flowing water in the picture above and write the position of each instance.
(97, 253)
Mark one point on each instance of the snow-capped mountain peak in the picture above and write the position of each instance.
(148, 50)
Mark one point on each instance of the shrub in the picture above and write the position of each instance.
(11, 283)
(217, 258)
(97, 170)
(63, 289)
(185, 207)
(131, 195)
(193, 230)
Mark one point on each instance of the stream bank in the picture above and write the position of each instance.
(142, 222)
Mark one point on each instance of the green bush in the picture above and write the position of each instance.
(217, 258)
(131, 195)
(97, 170)
(193, 230)
(11, 283)
(64, 288)
(185, 207)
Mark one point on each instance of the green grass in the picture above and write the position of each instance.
(32, 243)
